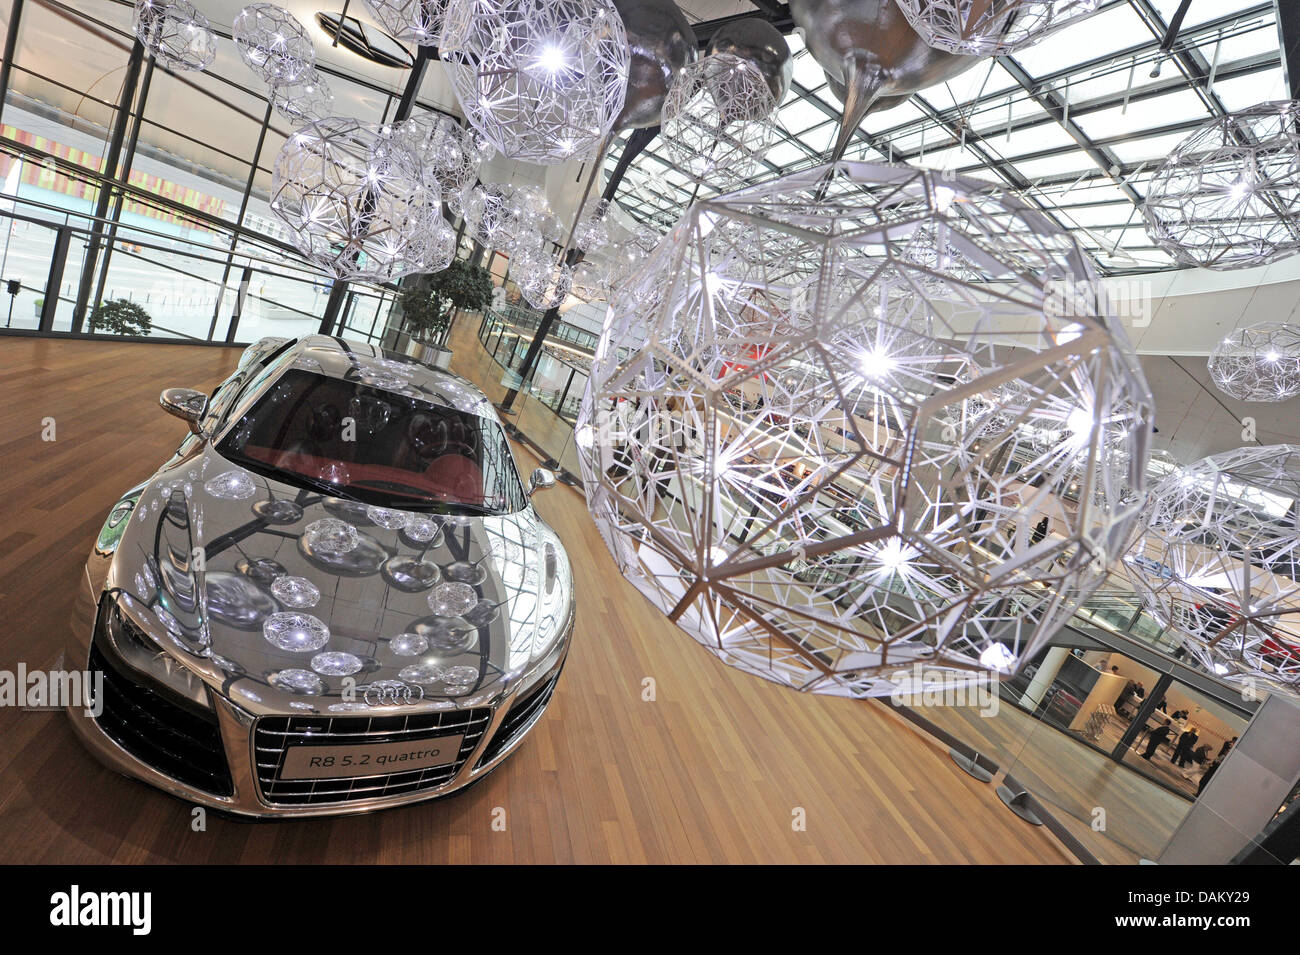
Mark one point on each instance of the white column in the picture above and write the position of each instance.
(1047, 670)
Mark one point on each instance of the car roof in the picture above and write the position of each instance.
(388, 371)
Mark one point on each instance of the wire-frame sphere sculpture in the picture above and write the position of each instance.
(358, 203)
(304, 100)
(766, 446)
(272, 43)
(440, 143)
(1229, 195)
(177, 34)
(991, 27)
(719, 120)
(416, 21)
(1217, 562)
(542, 80)
(1258, 363)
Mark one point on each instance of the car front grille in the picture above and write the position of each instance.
(177, 740)
(273, 735)
(517, 721)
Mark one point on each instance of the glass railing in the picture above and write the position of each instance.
(200, 281)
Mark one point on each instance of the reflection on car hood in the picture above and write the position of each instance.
(286, 599)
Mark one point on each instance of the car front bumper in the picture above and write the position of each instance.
(238, 738)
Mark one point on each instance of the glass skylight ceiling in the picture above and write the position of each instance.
(1076, 124)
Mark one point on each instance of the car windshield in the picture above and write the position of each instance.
(353, 440)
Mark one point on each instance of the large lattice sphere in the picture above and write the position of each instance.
(1218, 561)
(304, 100)
(178, 35)
(542, 80)
(417, 21)
(1258, 363)
(991, 27)
(272, 43)
(1229, 196)
(718, 120)
(357, 202)
(767, 447)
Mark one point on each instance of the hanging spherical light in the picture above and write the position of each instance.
(592, 231)
(439, 142)
(415, 21)
(178, 35)
(1217, 562)
(1258, 363)
(756, 40)
(764, 440)
(662, 44)
(718, 121)
(1229, 195)
(358, 203)
(272, 43)
(304, 100)
(542, 80)
(991, 27)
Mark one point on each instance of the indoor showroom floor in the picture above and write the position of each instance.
(714, 769)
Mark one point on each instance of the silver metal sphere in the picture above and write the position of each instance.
(766, 446)
(662, 44)
(1229, 196)
(177, 34)
(358, 203)
(991, 27)
(873, 55)
(756, 40)
(1258, 363)
(542, 80)
(272, 43)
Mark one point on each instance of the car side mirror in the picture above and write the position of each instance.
(186, 404)
(540, 480)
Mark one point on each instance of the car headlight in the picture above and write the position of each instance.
(133, 644)
(110, 535)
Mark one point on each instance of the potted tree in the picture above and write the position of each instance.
(429, 303)
(120, 316)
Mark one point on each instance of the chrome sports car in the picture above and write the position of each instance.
(335, 597)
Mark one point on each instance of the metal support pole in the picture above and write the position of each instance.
(636, 143)
(54, 281)
(406, 105)
(11, 46)
(332, 306)
(1288, 24)
(129, 81)
(128, 158)
(234, 237)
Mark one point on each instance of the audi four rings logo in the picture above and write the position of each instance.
(391, 692)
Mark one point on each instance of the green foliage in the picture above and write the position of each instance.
(120, 317)
(428, 302)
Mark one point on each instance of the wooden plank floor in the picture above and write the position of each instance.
(711, 771)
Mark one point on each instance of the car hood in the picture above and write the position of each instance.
(285, 599)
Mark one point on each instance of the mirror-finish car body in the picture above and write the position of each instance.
(335, 597)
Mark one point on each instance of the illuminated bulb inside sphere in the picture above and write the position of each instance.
(552, 58)
(998, 657)
(1080, 424)
(894, 554)
(1271, 356)
(943, 197)
(1240, 189)
(876, 364)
